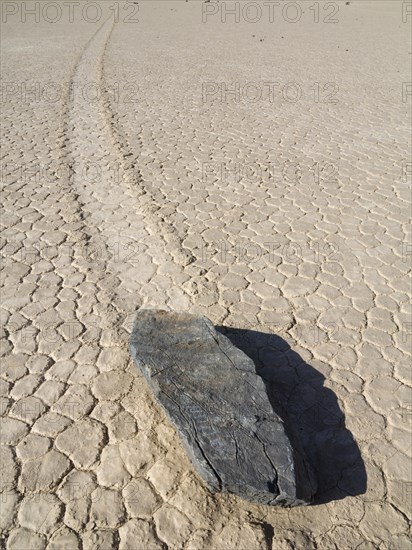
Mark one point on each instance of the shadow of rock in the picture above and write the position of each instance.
(297, 394)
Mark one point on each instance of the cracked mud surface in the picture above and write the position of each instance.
(308, 276)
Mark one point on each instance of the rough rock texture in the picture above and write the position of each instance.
(220, 407)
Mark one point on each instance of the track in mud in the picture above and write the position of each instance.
(123, 228)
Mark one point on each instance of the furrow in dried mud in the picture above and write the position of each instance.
(125, 238)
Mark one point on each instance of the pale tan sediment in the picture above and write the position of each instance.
(326, 269)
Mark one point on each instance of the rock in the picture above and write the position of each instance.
(220, 408)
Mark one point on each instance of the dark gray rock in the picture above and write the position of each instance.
(220, 408)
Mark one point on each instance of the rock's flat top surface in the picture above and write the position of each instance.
(220, 407)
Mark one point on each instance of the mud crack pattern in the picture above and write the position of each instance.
(89, 461)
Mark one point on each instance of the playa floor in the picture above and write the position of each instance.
(250, 165)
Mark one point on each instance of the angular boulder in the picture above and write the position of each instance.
(220, 408)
